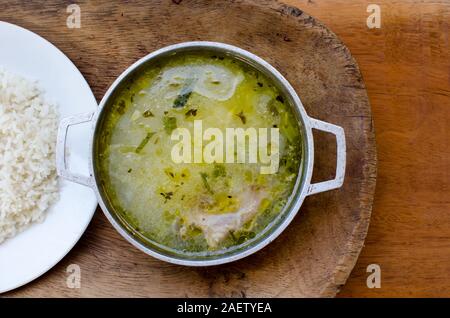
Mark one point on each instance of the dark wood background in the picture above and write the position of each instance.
(406, 68)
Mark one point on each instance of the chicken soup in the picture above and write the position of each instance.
(199, 152)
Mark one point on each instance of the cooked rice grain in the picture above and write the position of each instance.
(28, 180)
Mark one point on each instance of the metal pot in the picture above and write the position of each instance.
(302, 188)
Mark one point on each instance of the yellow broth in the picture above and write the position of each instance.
(194, 207)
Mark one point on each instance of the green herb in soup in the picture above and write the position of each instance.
(195, 207)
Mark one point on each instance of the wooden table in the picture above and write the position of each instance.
(406, 67)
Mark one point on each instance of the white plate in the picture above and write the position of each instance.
(34, 251)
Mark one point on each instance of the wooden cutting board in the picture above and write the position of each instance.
(316, 253)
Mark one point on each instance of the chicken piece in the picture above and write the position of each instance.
(211, 81)
(216, 227)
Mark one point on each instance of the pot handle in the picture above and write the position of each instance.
(341, 157)
(61, 166)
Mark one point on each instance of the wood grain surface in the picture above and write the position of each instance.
(406, 68)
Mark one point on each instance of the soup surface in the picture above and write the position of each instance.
(195, 207)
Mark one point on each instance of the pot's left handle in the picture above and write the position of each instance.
(61, 166)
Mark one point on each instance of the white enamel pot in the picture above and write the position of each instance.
(302, 189)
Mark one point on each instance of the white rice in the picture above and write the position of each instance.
(28, 180)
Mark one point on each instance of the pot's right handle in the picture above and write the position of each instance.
(61, 166)
(341, 157)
